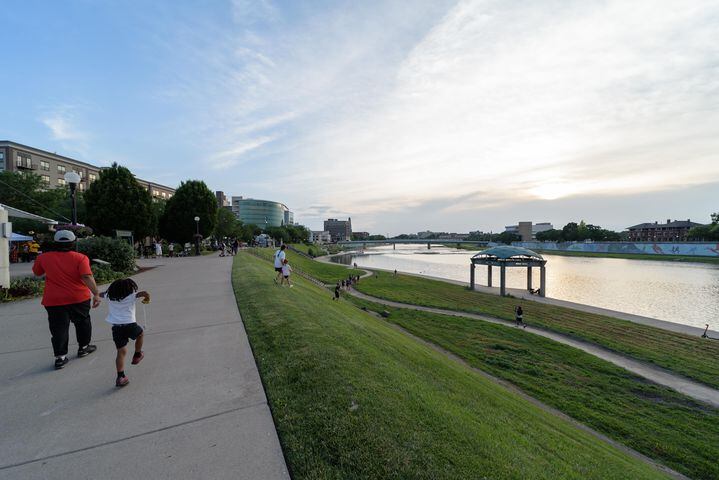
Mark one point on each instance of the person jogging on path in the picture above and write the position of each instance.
(70, 291)
(279, 261)
(518, 317)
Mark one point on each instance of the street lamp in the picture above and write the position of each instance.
(197, 236)
(73, 178)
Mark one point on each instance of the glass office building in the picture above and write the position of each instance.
(263, 213)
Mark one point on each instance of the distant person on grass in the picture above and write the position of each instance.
(519, 317)
(279, 261)
(122, 295)
(286, 270)
(337, 292)
(70, 291)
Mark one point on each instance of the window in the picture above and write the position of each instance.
(164, 195)
(44, 165)
(23, 161)
(61, 169)
(61, 181)
(45, 180)
(155, 193)
(92, 177)
(82, 187)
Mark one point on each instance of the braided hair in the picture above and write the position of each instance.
(120, 289)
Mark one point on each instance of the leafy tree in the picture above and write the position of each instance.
(570, 232)
(376, 237)
(552, 235)
(226, 224)
(192, 199)
(27, 192)
(116, 201)
(508, 237)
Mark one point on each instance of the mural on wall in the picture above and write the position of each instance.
(692, 249)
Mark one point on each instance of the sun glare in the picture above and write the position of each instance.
(553, 191)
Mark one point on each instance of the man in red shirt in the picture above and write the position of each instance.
(70, 289)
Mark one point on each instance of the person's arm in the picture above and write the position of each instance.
(144, 295)
(89, 281)
(37, 268)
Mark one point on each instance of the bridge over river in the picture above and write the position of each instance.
(411, 241)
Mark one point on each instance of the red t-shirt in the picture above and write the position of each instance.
(63, 277)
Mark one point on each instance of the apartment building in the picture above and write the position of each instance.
(51, 168)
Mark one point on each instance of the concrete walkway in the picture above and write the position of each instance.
(658, 375)
(194, 408)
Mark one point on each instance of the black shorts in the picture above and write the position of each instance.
(286, 276)
(278, 269)
(121, 333)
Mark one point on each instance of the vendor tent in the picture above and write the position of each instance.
(16, 237)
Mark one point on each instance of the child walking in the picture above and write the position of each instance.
(286, 269)
(122, 295)
(519, 317)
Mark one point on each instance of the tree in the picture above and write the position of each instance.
(226, 224)
(26, 191)
(552, 235)
(570, 232)
(116, 201)
(192, 199)
(508, 237)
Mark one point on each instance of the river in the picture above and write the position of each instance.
(679, 292)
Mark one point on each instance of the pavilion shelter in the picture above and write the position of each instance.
(504, 257)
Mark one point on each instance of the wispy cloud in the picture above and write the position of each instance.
(392, 105)
(64, 125)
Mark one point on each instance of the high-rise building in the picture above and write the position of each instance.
(339, 229)
(263, 213)
(222, 199)
(289, 218)
(527, 230)
(51, 168)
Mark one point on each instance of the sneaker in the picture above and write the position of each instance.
(85, 351)
(122, 381)
(61, 362)
(137, 358)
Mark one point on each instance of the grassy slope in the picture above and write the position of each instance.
(634, 256)
(353, 398)
(690, 356)
(325, 272)
(652, 419)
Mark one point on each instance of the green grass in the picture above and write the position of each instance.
(633, 256)
(693, 357)
(324, 272)
(654, 420)
(353, 398)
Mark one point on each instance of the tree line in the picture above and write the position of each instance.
(116, 201)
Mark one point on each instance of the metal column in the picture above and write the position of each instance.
(471, 276)
(489, 275)
(542, 281)
(529, 278)
(502, 281)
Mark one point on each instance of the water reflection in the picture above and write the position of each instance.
(678, 292)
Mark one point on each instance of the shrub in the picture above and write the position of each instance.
(118, 252)
(22, 287)
(105, 274)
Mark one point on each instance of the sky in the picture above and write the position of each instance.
(404, 115)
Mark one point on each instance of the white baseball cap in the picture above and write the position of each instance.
(64, 236)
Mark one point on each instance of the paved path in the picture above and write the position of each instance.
(658, 375)
(194, 408)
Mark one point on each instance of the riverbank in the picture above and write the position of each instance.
(633, 256)
(354, 398)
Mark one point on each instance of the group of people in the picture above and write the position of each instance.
(229, 247)
(282, 267)
(70, 292)
(24, 251)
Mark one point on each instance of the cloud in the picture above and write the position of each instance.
(233, 156)
(64, 125)
(381, 107)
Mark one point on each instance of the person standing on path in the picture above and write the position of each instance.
(519, 317)
(70, 291)
(279, 261)
(286, 270)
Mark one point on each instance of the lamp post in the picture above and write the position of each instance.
(197, 236)
(73, 178)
